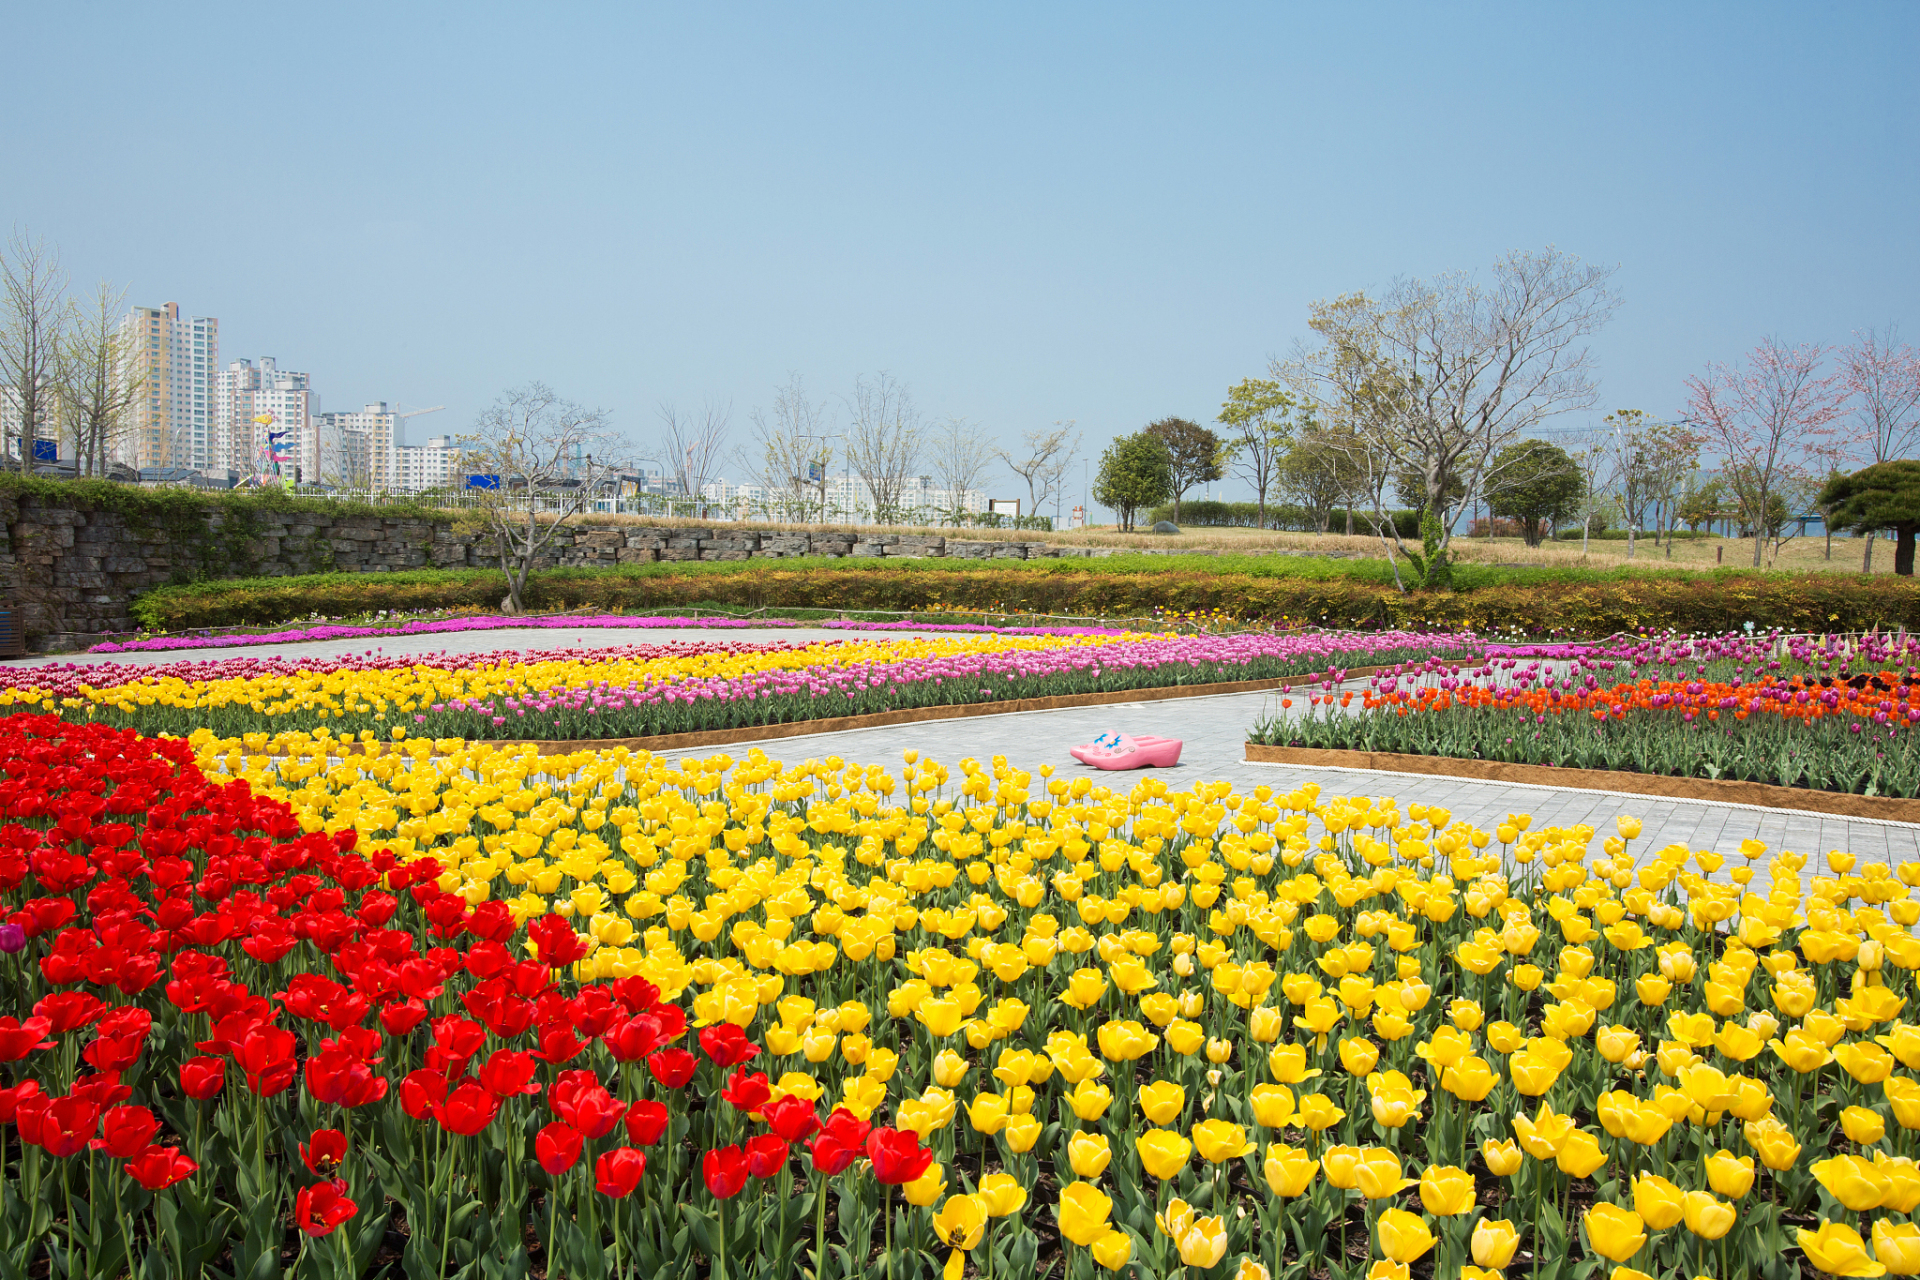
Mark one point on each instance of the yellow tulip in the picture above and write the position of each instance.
(1082, 1213)
(1317, 1112)
(1273, 1106)
(1021, 1132)
(1358, 1055)
(961, 1222)
(949, 1069)
(1341, 1164)
(1581, 1155)
(1001, 1195)
(1089, 1100)
(1659, 1203)
(1853, 1181)
(1707, 1217)
(1089, 1154)
(1503, 1159)
(1838, 1250)
(1897, 1248)
(987, 1113)
(1862, 1126)
(1112, 1250)
(1446, 1191)
(927, 1188)
(1289, 1171)
(1203, 1243)
(1162, 1101)
(1614, 1233)
(1544, 1134)
(1163, 1153)
(1403, 1236)
(1219, 1141)
(1494, 1243)
(1774, 1143)
(1470, 1079)
(1377, 1174)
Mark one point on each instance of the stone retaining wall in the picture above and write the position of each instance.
(73, 573)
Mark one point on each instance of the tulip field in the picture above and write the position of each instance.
(1788, 712)
(460, 1009)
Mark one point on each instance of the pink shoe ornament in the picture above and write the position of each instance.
(1121, 751)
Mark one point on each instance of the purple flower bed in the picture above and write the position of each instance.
(603, 622)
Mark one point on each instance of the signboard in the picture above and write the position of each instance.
(1004, 507)
(483, 482)
(46, 451)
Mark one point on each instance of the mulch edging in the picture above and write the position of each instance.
(1758, 794)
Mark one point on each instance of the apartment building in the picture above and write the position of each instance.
(178, 360)
(245, 392)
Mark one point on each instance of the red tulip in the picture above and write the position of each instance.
(101, 1088)
(158, 1168)
(400, 1019)
(65, 1010)
(125, 1132)
(618, 1172)
(579, 1098)
(747, 1092)
(792, 1117)
(898, 1158)
(557, 1147)
(203, 1078)
(114, 1053)
(340, 1077)
(18, 1039)
(421, 1092)
(467, 1110)
(727, 1045)
(325, 1151)
(766, 1155)
(841, 1141)
(318, 1209)
(672, 1067)
(646, 1121)
(555, 942)
(633, 1039)
(558, 1044)
(266, 1056)
(63, 1126)
(725, 1171)
(11, 1100)
(509, 1072)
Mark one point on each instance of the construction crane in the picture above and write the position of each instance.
(417, 412)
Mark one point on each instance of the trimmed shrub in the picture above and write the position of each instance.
(1727, 600)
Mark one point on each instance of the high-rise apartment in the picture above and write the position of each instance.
(358, 450)
(246, 392)
(433, 465)
(178, 362)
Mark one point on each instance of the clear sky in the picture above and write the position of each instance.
(1108, 212)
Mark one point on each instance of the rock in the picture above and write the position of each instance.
(1166, 526)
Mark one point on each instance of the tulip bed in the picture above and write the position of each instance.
(1791, 713)
(462, 1010)
(638, 691)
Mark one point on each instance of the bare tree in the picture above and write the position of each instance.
(100, 383)
(1042, 461)
(1468, 369)
(791, 455)
(884, 439)
(544, 459)
(695, 447)
(33, 321)
(960, 457)
(1882, 376)
(1771, 422)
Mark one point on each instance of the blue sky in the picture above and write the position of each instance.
(1108, 213)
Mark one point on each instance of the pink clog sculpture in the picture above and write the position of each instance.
(1122, 751)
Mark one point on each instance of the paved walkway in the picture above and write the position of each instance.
(1214, 730)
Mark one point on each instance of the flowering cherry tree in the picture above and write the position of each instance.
(1771, 419)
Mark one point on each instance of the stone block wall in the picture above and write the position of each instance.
(73, 573)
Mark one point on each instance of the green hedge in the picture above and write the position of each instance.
(160, 506)
(1284, 517)
(1720, 601)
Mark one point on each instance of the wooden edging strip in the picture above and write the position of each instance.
(1758, 794)
(884, 719)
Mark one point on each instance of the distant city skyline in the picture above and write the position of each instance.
(1109, 215)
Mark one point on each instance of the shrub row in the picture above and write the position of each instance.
(1282, 517)
(1726, 601)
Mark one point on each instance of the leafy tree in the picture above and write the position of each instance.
(1259, 413)
(1703, 504)
(1194, 453)
(1885, 495)
(1536, 483)
(1136, 474)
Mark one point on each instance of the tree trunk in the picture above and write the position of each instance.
(1866, 558)
(1903, 549)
